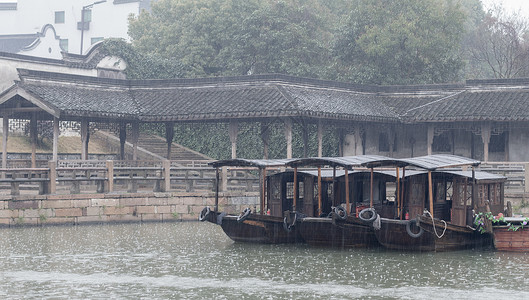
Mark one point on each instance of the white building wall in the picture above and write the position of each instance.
(109, 19)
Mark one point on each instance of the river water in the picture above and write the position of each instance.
(197, 261)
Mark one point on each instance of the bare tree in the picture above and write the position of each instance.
(500, 45)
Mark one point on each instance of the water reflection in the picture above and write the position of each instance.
(196, 261)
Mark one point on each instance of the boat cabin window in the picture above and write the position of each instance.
(390, 191)
(290, 190)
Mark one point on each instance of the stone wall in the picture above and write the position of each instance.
(115, 208)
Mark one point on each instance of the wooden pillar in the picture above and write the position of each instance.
(347, 208)
(341, 139)
(135, 138)
(319, 191)
(233, 131)
(110, 176)
(169, 136)
(295, 200)
(288, 137)
(320, 139)
(265, 137)
(84, 139)
(399, 209)
(358, 141)
(263, 191)
(485, 136)
(371, 189)
(33, 139)
(55, 138)
(167, 175)
(52, 165)
(5, 133)
(217, 183)
(430, 191)
(122, 140)
(305, 140)
(429, 138)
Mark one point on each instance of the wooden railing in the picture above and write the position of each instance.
(77, 176)
(98, 176)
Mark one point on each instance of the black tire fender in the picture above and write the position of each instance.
(203, 216)
(412, 234)
(244, 214)
(340, 212)
(368, 210)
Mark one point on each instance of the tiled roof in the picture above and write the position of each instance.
(269, 96)
(75, 100)
(474, 105)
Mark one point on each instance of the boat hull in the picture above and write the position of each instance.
(349, 233)
(509, 240)
(262, 229)
(394, 235)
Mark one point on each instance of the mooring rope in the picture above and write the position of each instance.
(376, 223)
(433, 225)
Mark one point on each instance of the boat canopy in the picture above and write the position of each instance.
(480, 176)
(428, 162)
(345, 161)
(258, 163)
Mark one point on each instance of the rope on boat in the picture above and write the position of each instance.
(376, 223)
(433, 225)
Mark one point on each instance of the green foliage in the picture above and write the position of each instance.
(142, 66)
(479, 221)
(236, 37)
(401, 42)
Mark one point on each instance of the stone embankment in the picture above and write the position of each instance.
(115, 208)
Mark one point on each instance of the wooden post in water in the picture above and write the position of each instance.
(430, 191)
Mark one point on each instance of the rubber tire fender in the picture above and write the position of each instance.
(410, 233)
(340, 212)
(204, 214)
(244, 215)
(370, 219)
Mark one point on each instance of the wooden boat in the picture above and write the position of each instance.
(439, 205)
(511, 235)
(250, 226)
(335, 222)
